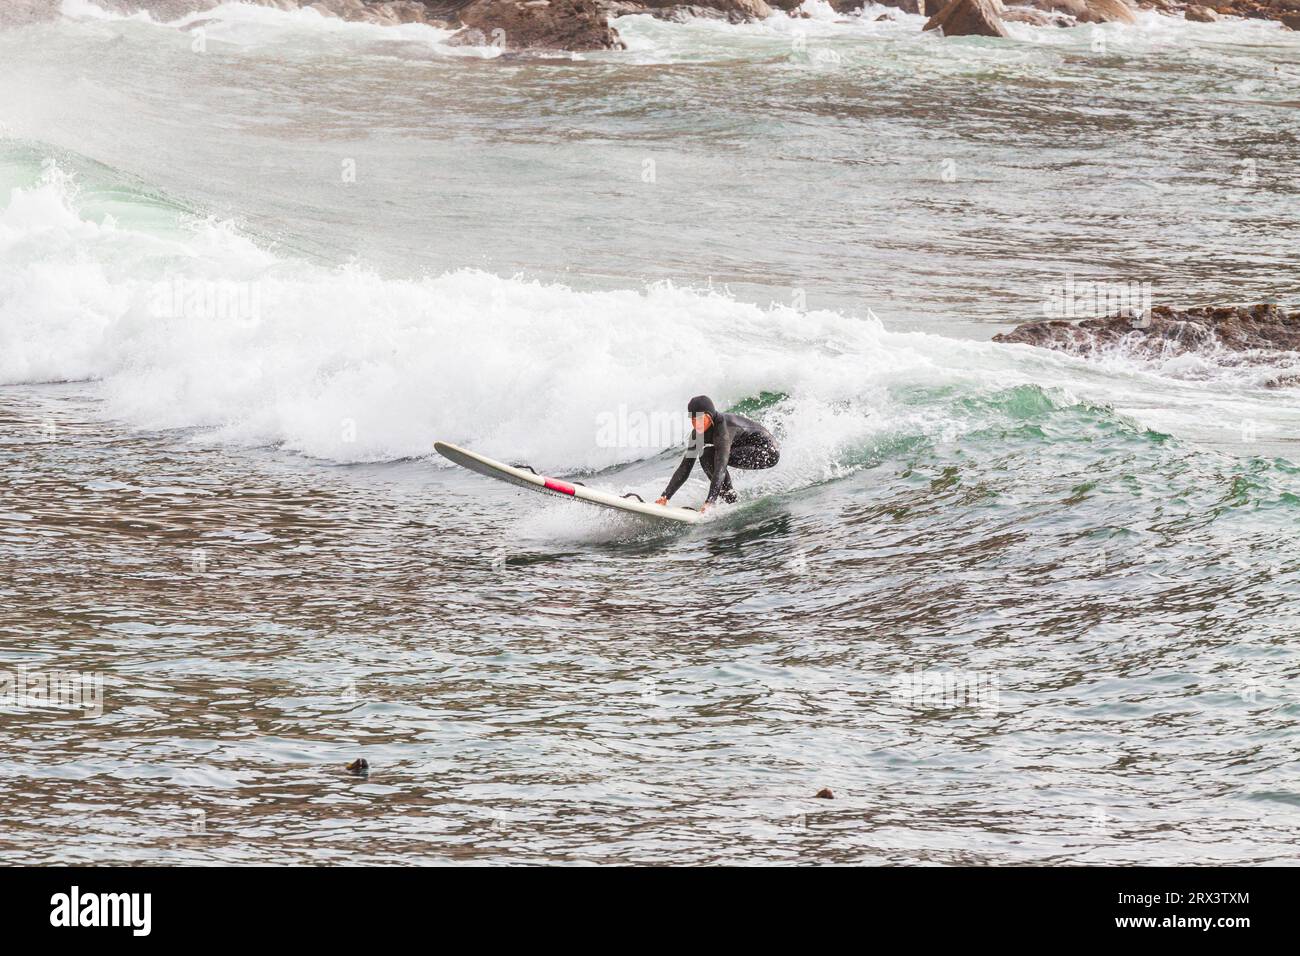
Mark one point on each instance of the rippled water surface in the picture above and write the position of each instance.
(1010, 607)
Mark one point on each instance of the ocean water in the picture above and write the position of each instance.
(1008, 605)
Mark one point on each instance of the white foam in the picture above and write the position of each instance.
(86, 10)
(252, 25)
(346, 365)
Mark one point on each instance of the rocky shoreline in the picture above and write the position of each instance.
(578, 25)
(1257, 335)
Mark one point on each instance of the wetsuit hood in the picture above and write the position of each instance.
(702, 405)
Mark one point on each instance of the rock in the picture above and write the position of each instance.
(164, 11)
(400, 11)
(1089, 11)
(1164, 332)
(735, 11)
(923, 8)
(1108, 11)
(962, 18)
(621, 8)
(1200, 14)
(15, 13)
(1035, 18)
(907, 6)
(536, 25)
(382, 12)
(343, 9)
(445, 10)
(1070, 8)
(1062, 13)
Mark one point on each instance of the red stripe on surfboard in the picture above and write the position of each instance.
(559, 486)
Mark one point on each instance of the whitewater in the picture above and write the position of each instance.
(246, 282)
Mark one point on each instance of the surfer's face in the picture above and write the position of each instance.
(702, 422)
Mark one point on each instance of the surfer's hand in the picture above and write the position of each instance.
(704, 507)
(662, 501)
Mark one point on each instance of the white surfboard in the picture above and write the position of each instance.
(527, 478)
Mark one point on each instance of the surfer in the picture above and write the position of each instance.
(721, 441)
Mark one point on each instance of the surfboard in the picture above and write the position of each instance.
(525, 477)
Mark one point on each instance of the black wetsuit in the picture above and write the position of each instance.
(732, 440)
